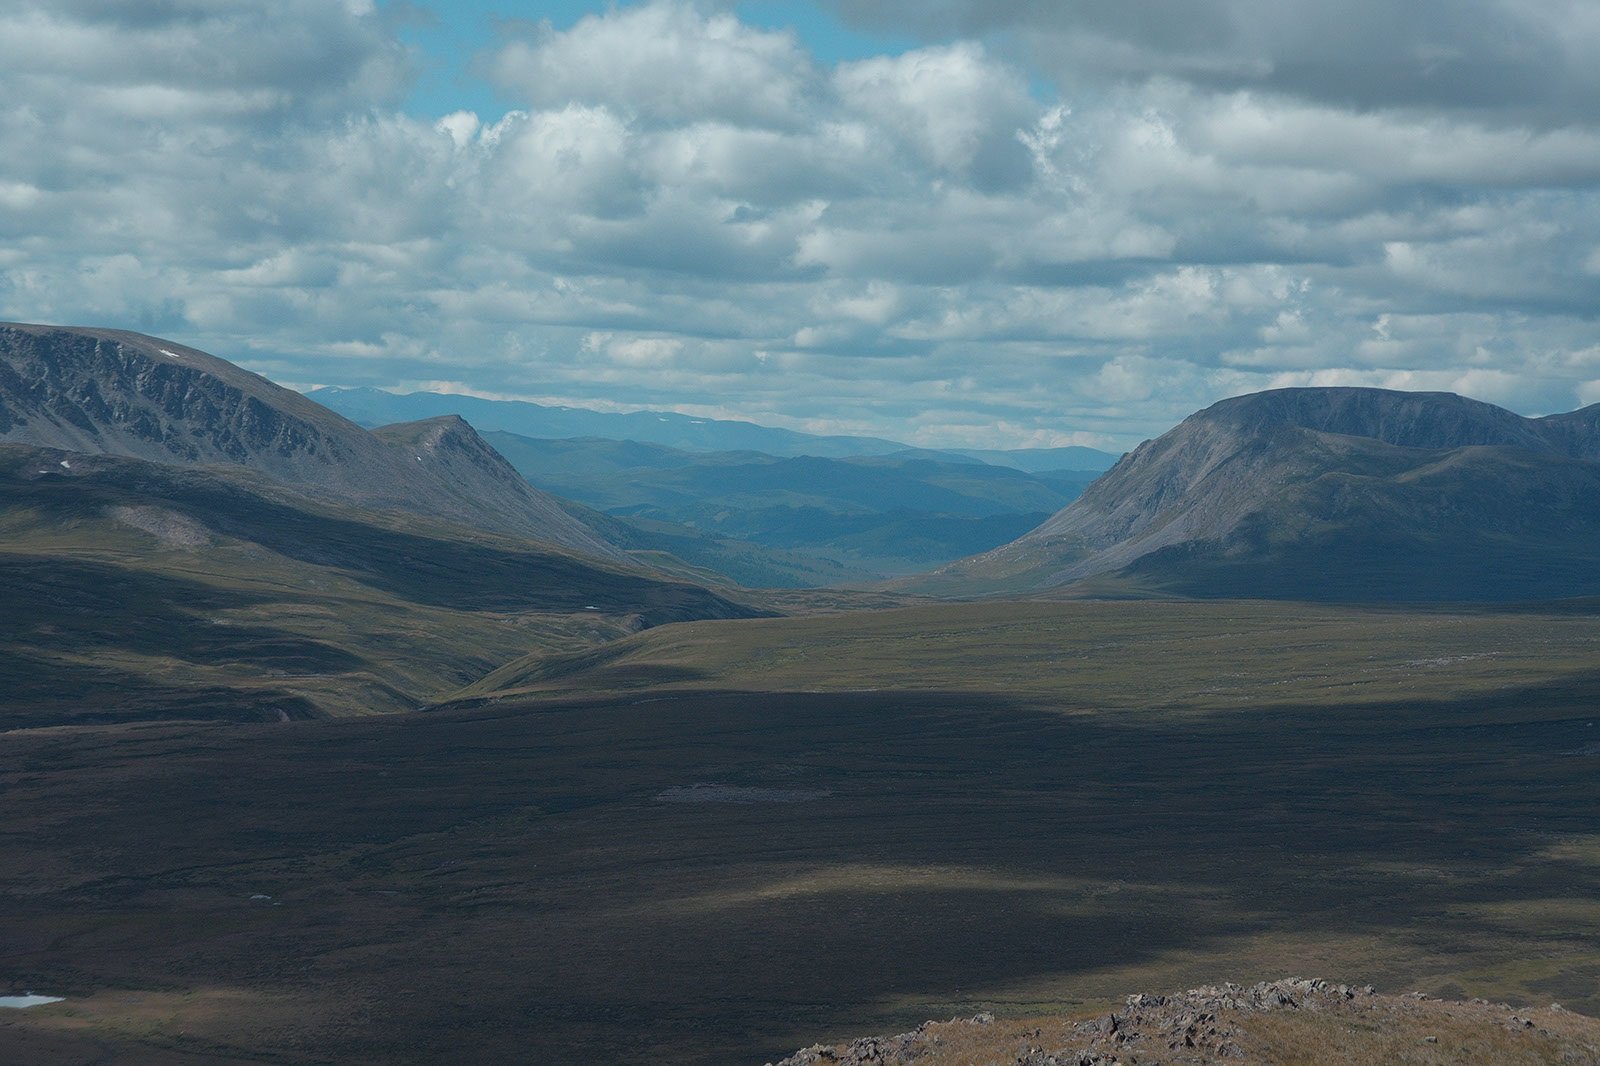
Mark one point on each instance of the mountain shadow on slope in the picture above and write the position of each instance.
(429, 563)
(136, 591)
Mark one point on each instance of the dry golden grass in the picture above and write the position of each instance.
(1428, 1034)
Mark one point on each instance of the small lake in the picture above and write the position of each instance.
(27, 999)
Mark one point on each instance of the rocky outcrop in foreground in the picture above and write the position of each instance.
(1292, 1020)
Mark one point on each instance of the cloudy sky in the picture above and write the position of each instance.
(985, 222)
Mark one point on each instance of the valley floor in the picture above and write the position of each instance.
(719, 842)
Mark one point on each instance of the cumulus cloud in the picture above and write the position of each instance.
(684, 210)
(1536, 60)
(664, 62)
(952, 107)
(196, 59)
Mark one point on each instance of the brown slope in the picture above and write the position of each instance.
(132, 590)
(1328, 492)
(114, 392)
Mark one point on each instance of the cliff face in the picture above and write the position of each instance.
(1341, 493)
(111, 392)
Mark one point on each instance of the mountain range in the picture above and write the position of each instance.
(1317, 493)
(112, 392)
(376, 407)
(1328, 493)
(866, 516)
(182, 539)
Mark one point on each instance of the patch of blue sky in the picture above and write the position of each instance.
(448, 35)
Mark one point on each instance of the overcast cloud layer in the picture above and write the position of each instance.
(1046, 224)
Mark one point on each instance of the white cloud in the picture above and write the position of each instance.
(666, 61)
(633, 351)
(687, 211)
(1535, 60)
(461, 126)
(194, 60)
(1246, 129)
(954, 106)
(578, 158)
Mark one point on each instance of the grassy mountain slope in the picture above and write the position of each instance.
(708, 558)
(133, 590)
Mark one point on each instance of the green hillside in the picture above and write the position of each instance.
(134, 590)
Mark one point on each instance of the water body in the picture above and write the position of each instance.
(27, 999)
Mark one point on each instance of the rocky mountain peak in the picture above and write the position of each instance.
(1403, 419)
(1342, 492)
(112, 392)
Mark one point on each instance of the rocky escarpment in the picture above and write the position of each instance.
(1292, 1020)
(112, 392)
(118, 393)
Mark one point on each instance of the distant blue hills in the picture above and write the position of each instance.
(375, 407)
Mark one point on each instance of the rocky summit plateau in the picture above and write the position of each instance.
(1343, 494)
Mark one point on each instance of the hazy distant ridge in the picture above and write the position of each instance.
(374, 407)
(878, 515)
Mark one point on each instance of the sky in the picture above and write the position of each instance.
(987, 223)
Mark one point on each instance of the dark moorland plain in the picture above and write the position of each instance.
(720, 841)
